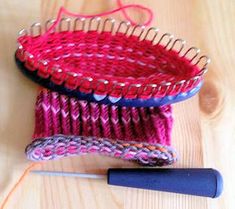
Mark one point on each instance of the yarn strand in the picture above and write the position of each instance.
(20, 180)
(149, 11)
(121, 7)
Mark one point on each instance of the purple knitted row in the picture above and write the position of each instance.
(58, 146)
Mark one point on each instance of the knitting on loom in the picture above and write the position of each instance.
(92, 58)
(67, 126)
(106, 99)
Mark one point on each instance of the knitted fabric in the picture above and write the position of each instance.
(116, 65)
(67, 126)
(106, 99)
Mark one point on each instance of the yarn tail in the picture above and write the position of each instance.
(11, 192)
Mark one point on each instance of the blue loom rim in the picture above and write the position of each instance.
(151, 102)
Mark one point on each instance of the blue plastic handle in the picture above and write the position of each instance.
(200, 182)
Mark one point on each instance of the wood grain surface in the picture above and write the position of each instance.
(204, 129)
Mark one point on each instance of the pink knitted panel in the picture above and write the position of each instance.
(67, 126)
(59, 114)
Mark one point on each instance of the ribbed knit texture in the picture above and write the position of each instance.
(118, 128)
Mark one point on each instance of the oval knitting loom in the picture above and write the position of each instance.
(108, 62)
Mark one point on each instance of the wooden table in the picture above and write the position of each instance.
(204, 126)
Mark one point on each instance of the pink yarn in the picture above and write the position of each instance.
(67, 126)
(95, 114)
(137, 124)
(59, 114)
(55, 110)
(150, 12)
(115, 122)
(121, 7)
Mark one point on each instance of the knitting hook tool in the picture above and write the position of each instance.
(206, 182)
(69, 174)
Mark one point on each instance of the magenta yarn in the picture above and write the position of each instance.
(66, 126)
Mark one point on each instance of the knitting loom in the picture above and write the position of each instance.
(109, 62)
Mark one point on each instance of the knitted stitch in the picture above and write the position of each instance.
(112, 58)
(67, 126)
(111, 63)
(107, 99)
